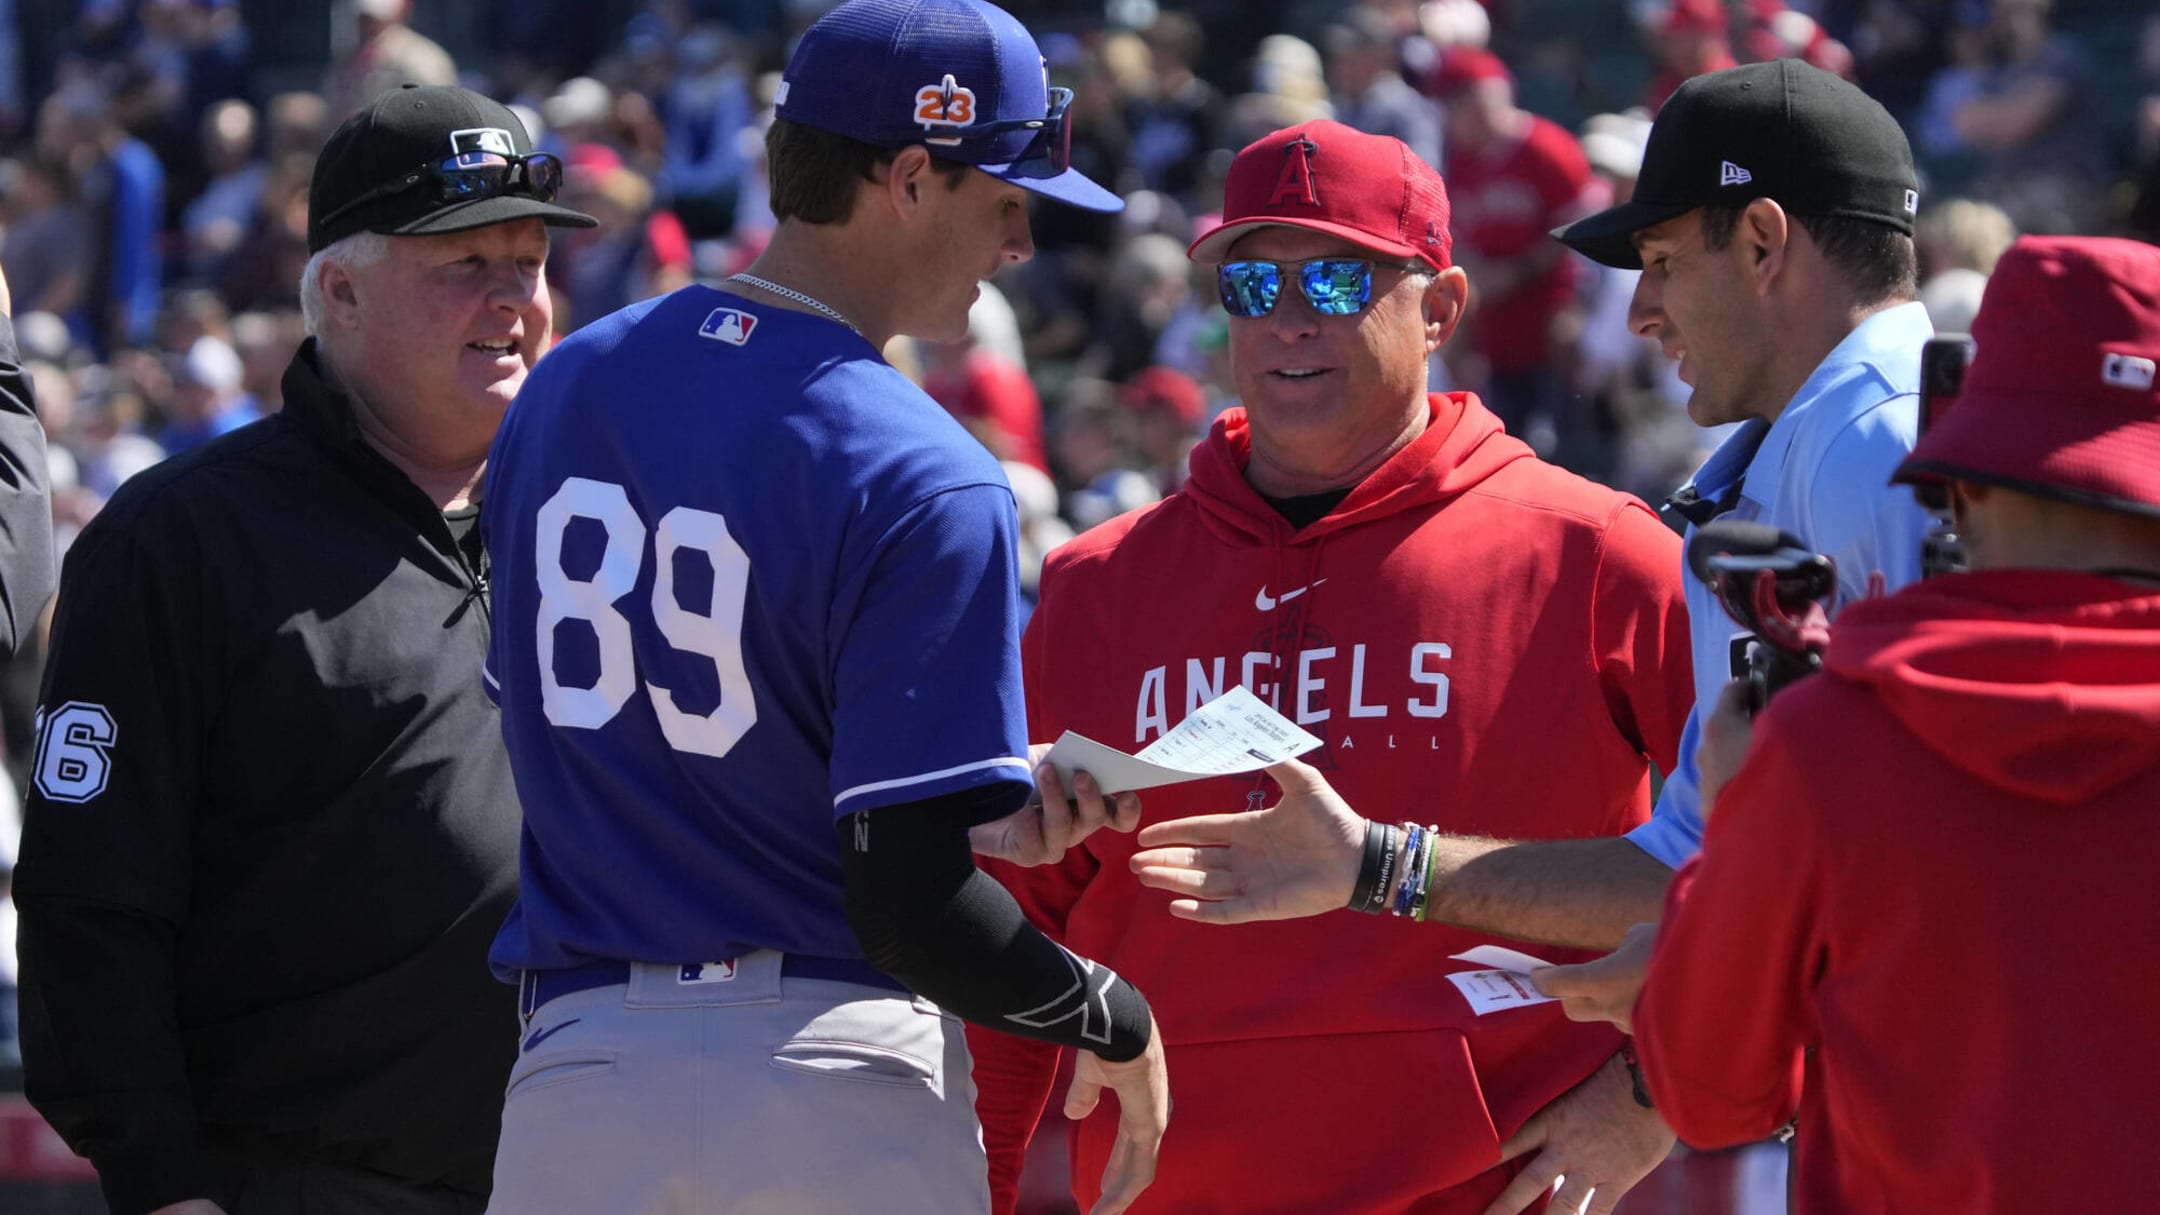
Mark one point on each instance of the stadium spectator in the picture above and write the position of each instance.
(209, 397)
(47, 246)
(385, 53)
(1513, 177)
(2030, 117)
(218, 219)
(1370, 94)
(1688, 38)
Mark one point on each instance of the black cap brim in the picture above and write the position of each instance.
(1608, 236)
(501, 209)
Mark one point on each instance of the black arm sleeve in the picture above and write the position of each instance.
(26, 543)
(103, 1062)
(925, 915)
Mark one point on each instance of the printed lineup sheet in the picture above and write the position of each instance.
(1235, 732)
(1505, 984)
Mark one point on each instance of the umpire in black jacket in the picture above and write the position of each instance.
(272, 828)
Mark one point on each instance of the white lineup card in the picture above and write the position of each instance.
(1505, 986)
(1235, 732)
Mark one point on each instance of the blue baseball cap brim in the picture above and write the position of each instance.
(1072, 187)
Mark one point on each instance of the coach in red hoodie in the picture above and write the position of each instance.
(1480, 639)
(1935, 868)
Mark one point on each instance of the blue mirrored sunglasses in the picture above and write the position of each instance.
(1334, 286)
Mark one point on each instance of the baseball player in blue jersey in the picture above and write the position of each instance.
(756, 650)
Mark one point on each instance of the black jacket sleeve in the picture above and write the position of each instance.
(104, 878)
(26, 542)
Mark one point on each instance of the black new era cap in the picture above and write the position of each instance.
(1781, 130)
(425, 159)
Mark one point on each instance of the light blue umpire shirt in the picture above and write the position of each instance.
(1821, 472)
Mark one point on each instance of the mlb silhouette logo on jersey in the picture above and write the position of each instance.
(728, 325)
(708, 972)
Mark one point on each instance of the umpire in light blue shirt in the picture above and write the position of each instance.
(1773, 226)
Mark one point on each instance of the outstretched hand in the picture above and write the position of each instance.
(1298, 857)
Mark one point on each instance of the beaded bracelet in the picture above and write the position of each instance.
(1405, 884)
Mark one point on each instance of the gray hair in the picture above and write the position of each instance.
(352, 252)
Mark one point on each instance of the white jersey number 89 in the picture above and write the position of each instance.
(717, 636)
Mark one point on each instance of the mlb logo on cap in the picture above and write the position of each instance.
(730, 325)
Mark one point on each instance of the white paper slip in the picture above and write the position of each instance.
(1499, 957)
(1491, 991)
(1235, 732)
(1505, 986)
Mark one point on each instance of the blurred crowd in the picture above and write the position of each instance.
(152, 200)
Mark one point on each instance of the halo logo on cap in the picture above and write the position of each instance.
(1295, 184)
(946, 104)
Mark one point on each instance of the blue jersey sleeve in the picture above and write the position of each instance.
(926, 683)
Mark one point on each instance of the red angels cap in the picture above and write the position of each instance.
(2063, 395)
(1462, 66)
(1370, 189)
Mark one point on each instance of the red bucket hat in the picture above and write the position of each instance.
(2063, 395)
(1370, 189)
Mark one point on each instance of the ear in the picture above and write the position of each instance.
(1445, 299)
(907, 179)
(340, 294)
(1764, 238)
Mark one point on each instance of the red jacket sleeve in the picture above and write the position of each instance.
(1727, 1012)
(1013, 1075)
(1639, 626)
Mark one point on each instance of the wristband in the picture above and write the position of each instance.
(1368, 875)
(1425, 871)
(1384, 885)
(1406, 873)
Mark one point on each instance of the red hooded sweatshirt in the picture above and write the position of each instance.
(1935, 870)
(1483, 641)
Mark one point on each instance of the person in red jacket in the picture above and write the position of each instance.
(1478, 637)
(1513, 177)
(1913, 916)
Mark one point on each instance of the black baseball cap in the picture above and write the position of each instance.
(1783, 130)
(402, 137)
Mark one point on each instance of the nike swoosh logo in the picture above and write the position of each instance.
(541, 1035)
(1266, 604)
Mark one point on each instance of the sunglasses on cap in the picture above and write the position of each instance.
(1046, 155)
(1334, 286)
(469, 177)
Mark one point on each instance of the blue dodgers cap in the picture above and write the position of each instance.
(962, 76)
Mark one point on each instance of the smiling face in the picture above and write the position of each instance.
(1319, 388)
(1694, 302)
(443, 328)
